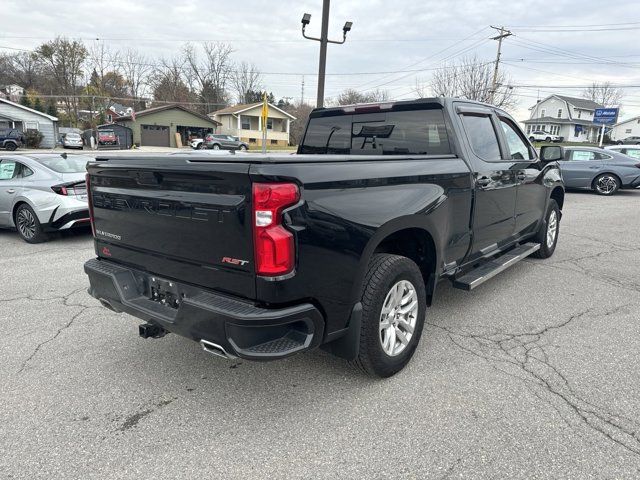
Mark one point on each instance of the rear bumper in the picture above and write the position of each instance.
(68, 220)
(241, 328)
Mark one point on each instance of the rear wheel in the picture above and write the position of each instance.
(243, 148)
(11, 146)
(532, 139)
(393, 312)
(606, 184)
(216, 146)
(199, 146)
(547, 235)
(547, 139)
(28, 225)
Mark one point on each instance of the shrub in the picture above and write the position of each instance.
(33, 138)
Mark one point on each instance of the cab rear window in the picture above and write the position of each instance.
(408, 132)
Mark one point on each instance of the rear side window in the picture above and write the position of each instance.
(482, 136)
(409, 132)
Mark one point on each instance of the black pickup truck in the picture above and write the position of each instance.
(340, 245)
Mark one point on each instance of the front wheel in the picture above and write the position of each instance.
(548, 139)
(10, 146)
(532, 139)
(243, 148)
(216, 147)
(547, 235)
(606, 184)
(28, 225)
(199, 146)
(393, 312)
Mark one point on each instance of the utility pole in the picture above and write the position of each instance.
(302, 92)
(324, 41)
(494, 84)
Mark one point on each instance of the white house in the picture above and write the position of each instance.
(626, 128)
(245, 122)
(569, 117)
(12, 92)
(14, 115)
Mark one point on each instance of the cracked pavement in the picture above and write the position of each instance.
(535, 374)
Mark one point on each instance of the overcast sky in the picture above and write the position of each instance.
(598, 40)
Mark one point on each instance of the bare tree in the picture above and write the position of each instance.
(135, 68)
(351, 96)
(472, 79)
(301, 111)
(168, 82)
(210, 74)
(244, 79)
(24, 69)
(63, 59)
(603, 94)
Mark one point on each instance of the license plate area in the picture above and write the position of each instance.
(164, 292)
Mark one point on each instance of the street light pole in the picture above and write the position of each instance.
(324, 41)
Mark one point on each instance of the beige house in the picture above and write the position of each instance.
(245, 122)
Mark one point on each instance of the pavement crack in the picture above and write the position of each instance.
(523, 356)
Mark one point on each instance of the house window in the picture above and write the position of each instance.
(253, 140)
(579, 113)
(559, 113)
(269, 123)
(628, 130)
(274, 142)
(543, 112)
(31, 125)
(246, 122)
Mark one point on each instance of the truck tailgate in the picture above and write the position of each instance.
(176, 219)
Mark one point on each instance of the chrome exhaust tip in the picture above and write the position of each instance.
(215, 349)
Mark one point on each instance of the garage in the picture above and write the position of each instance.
(154, 135)
(167, 126)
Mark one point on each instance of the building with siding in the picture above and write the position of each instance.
(626, 128)
(569, 117)
(245, 122)
(158, 126)
(14, 115)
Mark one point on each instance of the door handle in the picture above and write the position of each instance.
(11, 190)
(521, 176)
(483, 181)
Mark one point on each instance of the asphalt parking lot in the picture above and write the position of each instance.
(536, 374)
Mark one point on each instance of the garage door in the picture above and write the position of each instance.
(155, 135)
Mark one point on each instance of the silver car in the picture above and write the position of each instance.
(72, 140)
(604, 171)
(43, 193)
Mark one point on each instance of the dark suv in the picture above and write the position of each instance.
(10, 138)
(215, 141)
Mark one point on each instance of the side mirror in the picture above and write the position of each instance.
(551, 153)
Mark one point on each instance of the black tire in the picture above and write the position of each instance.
(384, 272)
(215, 146)
(547, 248)
(547, 139)
(532, 139)
(11, 146)
(28, 225)
(606, 184)
(199, 146)
(243, 148)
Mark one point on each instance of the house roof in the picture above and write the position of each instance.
(118, 107)
(235, 109)
(162, 108)
(627, 121)
(558, 120)
(27, 109)
(581, 103)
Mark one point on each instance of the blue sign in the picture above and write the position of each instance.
(605, 116)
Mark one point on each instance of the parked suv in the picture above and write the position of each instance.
(215, 141)
(542, 136)
(10, 138)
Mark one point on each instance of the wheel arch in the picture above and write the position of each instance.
(413, 241)
(557, 194)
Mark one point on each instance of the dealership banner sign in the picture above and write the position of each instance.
(605, 116)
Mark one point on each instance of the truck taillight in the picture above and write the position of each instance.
(90, 203)
(273, 244)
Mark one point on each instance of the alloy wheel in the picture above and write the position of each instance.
(398, 318)
(606, 184)
(26, 223)
(552, 228)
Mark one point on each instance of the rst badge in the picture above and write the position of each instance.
(234, 261)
